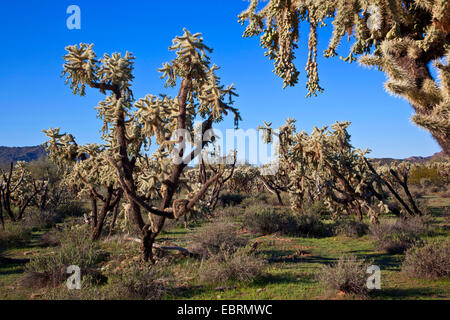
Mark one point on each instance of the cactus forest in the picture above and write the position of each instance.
(156, 207)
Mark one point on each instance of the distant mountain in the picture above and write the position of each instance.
(27, 154)
(436, 156)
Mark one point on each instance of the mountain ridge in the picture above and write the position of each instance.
(14, 154)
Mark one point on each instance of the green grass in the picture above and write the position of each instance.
(292, 268)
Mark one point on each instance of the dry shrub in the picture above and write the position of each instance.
(239, 266)
(50, 239)
(230, 212)
(262, 220)
(445, 194)
(399, 236)
(15, 234)
(144, 281)
(71, 209)
(347, 275)
(42, 219)
(311, 225)
(435, 189)
(255, 200)
(430, 260)
(316, 208)
(50, 270)
(214, 237)
(446, 214)
(229, 199)
(34, 279)
(424, 207)
(350, 228)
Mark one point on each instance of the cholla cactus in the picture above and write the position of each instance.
(245, 179)
(130, 127)
(18, 188)
(443, 169)
(399, 37)
(88, 174)
(324, 165)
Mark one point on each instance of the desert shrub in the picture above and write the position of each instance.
(50, 239)
(424, 207)
(430, 260)
(446, 214)
(71, 209)
(229, 199)
(445, 193)
(88, 292)
(350, 228)
(397, 242)
(214, 237)
(316, 208)
(425, 176)
(143, 281)
(255, 200)
(311, 225)
(262, 220)
(399, 236)
(435, 189)
(347, 275)
(417, 193)
(42, 219)
(272, 199)
(239, 266)
(230, 212)
(50, 270)
(15, 234)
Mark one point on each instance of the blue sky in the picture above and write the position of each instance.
(34, 97)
